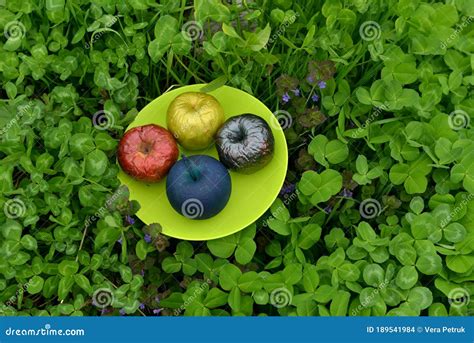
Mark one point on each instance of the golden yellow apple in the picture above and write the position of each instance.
(194, 118)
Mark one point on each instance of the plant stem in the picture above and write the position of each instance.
(193, 171)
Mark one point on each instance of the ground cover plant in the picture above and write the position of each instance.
(376, 216)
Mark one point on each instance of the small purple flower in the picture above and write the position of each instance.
(310, 79)
(119, 240)
(285, 98)
(104, 311)
(287, 189)
(296, 92)
(129, 220)
(322, 84)
(147, 238)
(157, 311)
(142, 272)
(141, 307)
(122, 312)
(346, 193)
(328, 209)
(315, 97)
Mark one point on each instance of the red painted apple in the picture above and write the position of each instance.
(147, 152)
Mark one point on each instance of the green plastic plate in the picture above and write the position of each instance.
(251, 194)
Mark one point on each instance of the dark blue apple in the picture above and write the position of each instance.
(198, 187)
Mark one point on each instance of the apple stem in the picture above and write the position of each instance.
(193, 171)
